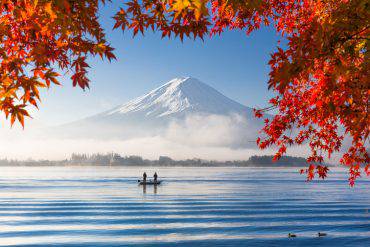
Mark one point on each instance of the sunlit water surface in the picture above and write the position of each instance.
(104, 206)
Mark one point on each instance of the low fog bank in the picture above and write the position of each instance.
(149, 148)
(210, 137)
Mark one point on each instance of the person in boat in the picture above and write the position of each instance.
(155, 177)
(144, 177)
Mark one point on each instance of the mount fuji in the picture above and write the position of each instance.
(178, 97)
(151, 114)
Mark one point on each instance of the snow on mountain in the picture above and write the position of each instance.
(170, 109)
(179, 96)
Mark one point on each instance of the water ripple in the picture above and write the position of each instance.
(205, 207)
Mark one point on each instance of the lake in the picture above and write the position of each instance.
(104, 206)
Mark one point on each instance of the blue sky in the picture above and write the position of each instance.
(233, 63)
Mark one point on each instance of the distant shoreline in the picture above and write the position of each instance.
(115, 160)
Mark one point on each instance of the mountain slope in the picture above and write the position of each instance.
(152, 113)
(177, 97)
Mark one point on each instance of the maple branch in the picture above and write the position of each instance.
(355, 34)
(269, 108)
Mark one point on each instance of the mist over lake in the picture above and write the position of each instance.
(104, 206)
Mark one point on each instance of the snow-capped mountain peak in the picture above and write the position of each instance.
(184, 100)
(179, 96)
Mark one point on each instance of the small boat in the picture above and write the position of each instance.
(149, 182)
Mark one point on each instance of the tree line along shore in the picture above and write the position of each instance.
(114, 159)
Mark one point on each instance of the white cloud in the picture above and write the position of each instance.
(150, 147)
(213, 131)
(207, 137)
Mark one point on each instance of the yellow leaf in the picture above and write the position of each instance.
(6, 81)
(200, 8)
(180, 5)
(49, 10)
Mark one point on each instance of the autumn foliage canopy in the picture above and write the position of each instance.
(321, 77)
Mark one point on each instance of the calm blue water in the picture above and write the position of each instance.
(97, 206)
